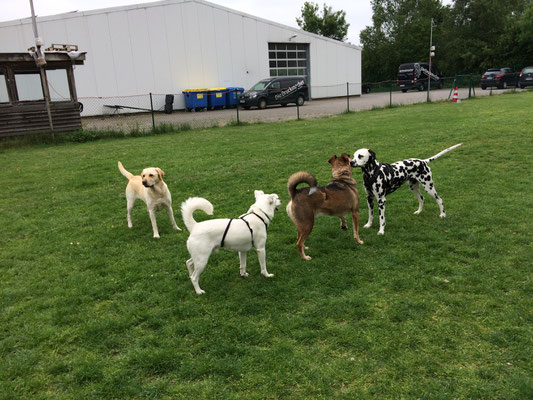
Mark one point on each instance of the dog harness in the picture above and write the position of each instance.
(247, 224)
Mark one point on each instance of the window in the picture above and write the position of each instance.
(4, 97)
(58, 84)
(288, 59)
(29, 86)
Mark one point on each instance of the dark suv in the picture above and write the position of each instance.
(281, 90)
(526, 77)
(415, 76)
(499, 77)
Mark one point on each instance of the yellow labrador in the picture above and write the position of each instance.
(150, 188)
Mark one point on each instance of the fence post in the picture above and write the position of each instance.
(297, 105)
(347, 97)
(390, 94)
(152, 108)
(470, 87)
(453, 85)
(238, 97)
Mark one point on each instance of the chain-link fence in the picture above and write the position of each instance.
(170, 111)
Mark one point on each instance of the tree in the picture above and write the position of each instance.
(331, 23)
(399, 34)
(470, 36)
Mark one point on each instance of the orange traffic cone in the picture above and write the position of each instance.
(455, 95)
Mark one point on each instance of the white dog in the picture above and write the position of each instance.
(239, 234)
(150, 188)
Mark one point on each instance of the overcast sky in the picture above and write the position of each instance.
(358, 12)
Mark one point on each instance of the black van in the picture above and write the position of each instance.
(415, 76)
(280, 90)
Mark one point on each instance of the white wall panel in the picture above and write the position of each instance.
(193, 50)
(121, 62)
(142, 54)
(238, 57)
(223, 48)
(207, 41)
(106, 84)
(11, 39)
(177, 53)
(159, 49)
(251, 51)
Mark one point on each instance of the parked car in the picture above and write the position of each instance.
(281, 90)
(415, 76)
(526, 77)
(366, 87)
(499, 77)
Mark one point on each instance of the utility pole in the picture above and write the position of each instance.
(41, 62)
(431, 54)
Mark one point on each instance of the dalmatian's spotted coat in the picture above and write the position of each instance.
(380, 179)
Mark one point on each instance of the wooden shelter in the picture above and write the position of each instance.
(23, 107)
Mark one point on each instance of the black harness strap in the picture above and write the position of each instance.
(225, 233)
(249, 227)
(262, 220)
(247, 224)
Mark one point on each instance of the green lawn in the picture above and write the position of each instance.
(435, 309)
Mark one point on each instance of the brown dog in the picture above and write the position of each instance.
(337, 199)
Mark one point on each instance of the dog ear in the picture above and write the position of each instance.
(333, 158)
(372, 155)
(160, 173)
(258, 193)
(346, 157)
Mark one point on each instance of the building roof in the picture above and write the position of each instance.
(75, 14)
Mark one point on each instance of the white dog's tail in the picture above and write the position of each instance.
(191, 205)
(127, 174)
(442, 153)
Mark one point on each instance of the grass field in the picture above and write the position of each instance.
(435, 309)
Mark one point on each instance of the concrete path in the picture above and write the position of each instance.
(311, 109)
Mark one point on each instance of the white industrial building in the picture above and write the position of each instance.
(173, 45)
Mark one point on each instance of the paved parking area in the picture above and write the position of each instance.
(311, 109)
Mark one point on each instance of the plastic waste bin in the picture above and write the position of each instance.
(216, 98)
(232, 96)
(195, 99)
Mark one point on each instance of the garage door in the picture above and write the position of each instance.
(288, 59)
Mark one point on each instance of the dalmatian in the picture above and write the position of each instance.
(380, 179)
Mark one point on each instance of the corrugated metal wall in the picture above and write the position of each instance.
(169, 46)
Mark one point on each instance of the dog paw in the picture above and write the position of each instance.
(359, 241)
(244, 275)
(307, 258)
(200, 291)
(177, 228)
(268, 275)
(156, 237)
(344, 228)
(442, 215)
(381, 232)
(367, 226)
(417, 212)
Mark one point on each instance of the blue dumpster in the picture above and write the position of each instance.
(232, 97)
(195, 99)
(216, 98)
